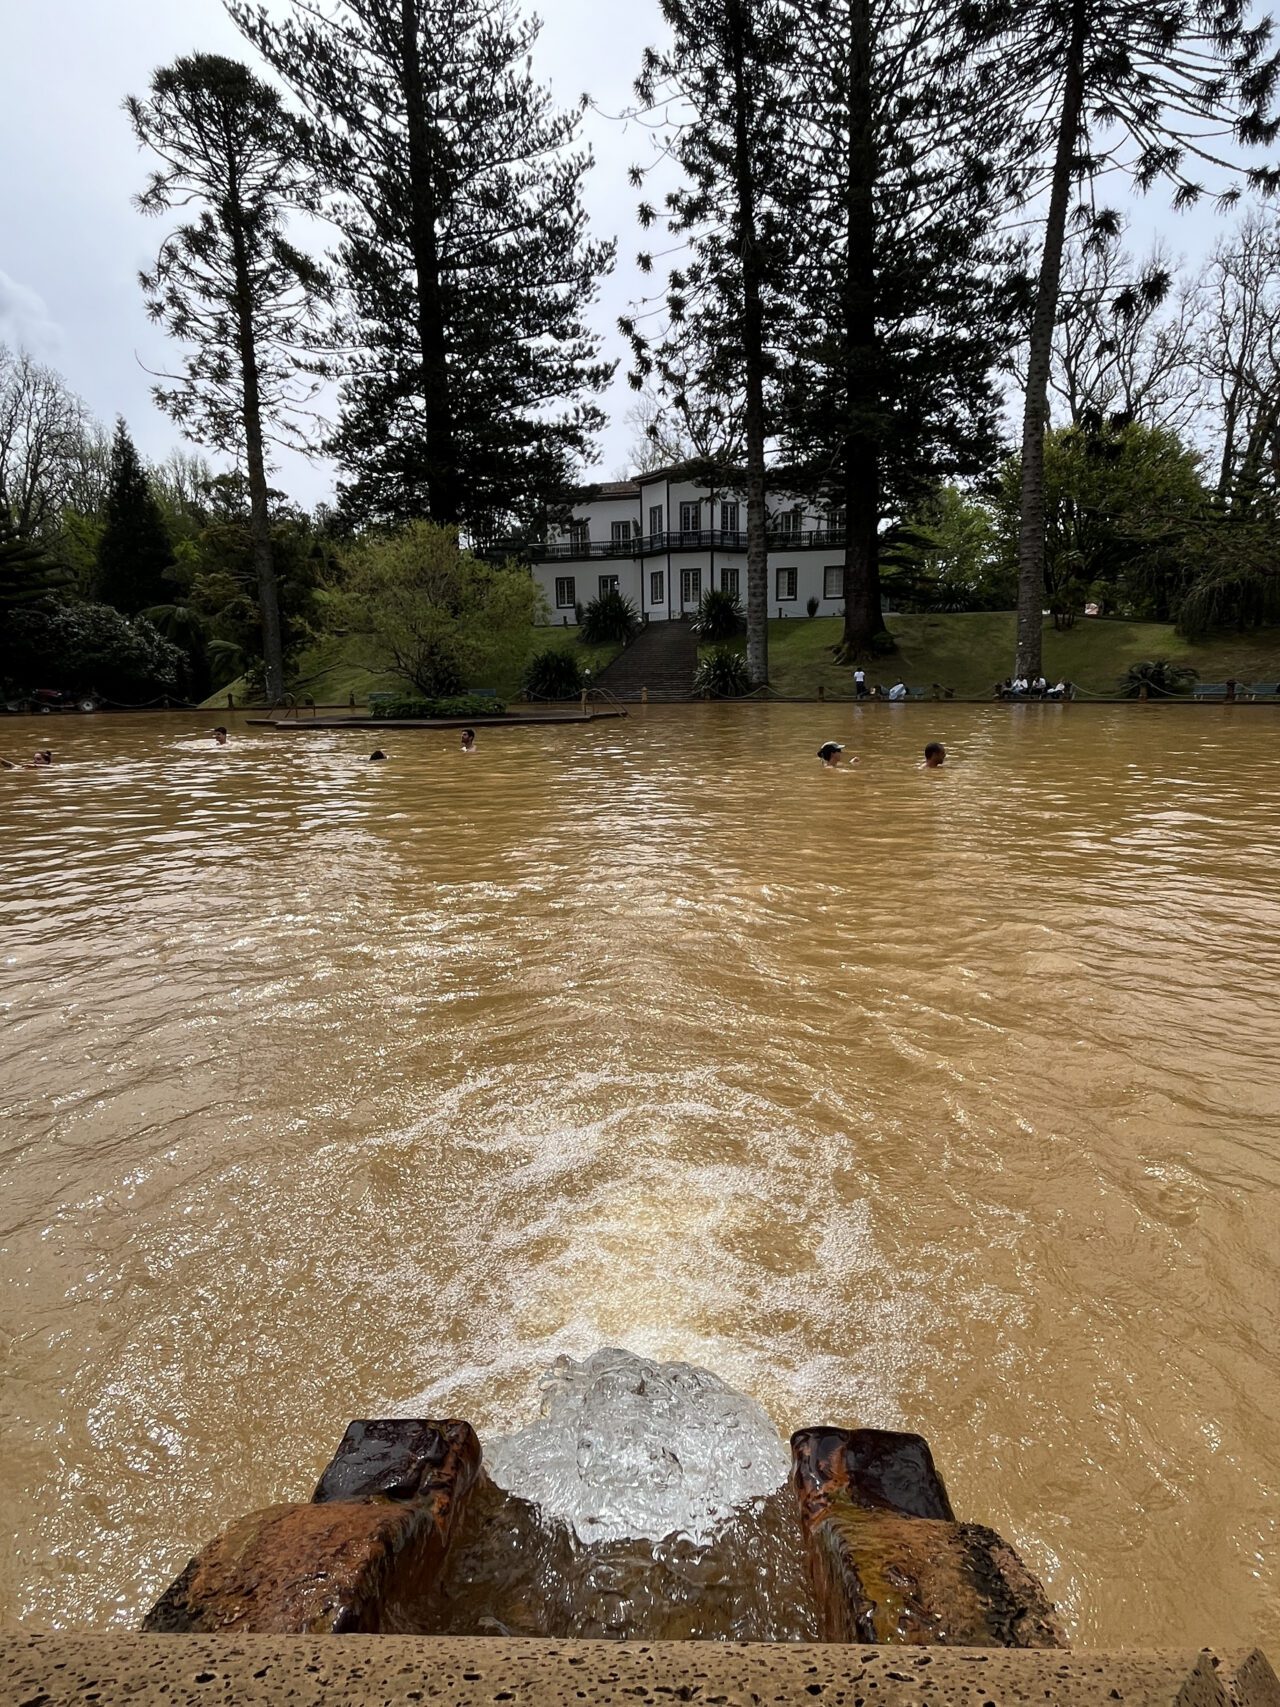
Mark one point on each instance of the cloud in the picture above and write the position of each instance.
(25, 322)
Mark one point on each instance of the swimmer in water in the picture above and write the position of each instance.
(377, 753)
(220, 735)
(935, 756)
(468, 740)
(40, 758)
(829, 752)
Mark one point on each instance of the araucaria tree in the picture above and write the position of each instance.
(907, 296)
(722, 84)
(134, 549)
(229, 283)
(1155, 89)
(457, 187)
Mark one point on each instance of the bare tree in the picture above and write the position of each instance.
(46, 433)
(1123, 346)
(1238, 354)
(686, 426)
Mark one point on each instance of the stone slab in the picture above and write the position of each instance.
(394, 1671)
(361, 1557)
(888, 1561)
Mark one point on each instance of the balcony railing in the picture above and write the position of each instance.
(681, 539)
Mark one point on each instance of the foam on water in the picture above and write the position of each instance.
(626, 1448)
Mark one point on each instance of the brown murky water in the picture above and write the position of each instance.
(944, 1101)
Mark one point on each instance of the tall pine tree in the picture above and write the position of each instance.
(906, 301)
(458, 192)
(134, 551)
(1149, 89)
(722, 84)
(230, 284)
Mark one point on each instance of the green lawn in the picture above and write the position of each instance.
(971, 651)
(968, 653)
(338, 666)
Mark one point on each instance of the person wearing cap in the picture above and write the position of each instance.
(829, 752)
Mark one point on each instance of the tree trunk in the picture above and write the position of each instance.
(444, 496)
(263, 557)
(863, 616)
(1027, 659)
(753, 359)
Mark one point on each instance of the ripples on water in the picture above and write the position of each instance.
(937, 1101)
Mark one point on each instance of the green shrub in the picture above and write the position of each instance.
(1160, 675)
(722, 674)
(610, 619)
(718, 617)
(455, 705)
(552, 674)
(883, 645)
(811, 605)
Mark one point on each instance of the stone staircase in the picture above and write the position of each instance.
(661, 658)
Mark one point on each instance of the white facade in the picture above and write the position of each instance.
(664, 540)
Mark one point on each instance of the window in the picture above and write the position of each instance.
(729, 582)
(690, 517)
(566, 594)
(833, 581)
(657, 587)
(620, 533)
(655, 520)
(690, 586)
(786, 585)
(579, 538)
(608, 584)
(728, 518)
(787, 521)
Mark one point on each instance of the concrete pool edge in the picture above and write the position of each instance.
(56, 1670)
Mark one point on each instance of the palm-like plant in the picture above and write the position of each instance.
(609, 619)
(1158, 676)
(719, 616)
(722, 674)
(552, 675)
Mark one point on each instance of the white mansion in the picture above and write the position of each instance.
(663, 540)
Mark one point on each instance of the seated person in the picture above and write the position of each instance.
(898, 690)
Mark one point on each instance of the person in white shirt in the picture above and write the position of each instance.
(898, 691)
(860, 683)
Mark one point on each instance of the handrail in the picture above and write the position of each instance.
(678, 539)
(595, 691)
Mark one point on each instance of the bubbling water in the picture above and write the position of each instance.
(628, 1449)
(646, 1502)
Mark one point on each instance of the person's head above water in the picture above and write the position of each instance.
(377, 753)
(829, 752)
(43, 756)
(220, 734)
(935, 754)
(468, 740)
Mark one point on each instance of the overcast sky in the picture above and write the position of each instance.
(71, 244)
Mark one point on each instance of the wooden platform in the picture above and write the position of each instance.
(515, 720)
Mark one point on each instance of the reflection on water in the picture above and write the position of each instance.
(939, 1101)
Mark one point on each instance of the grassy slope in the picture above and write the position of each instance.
(341, 665)
(970, 652)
